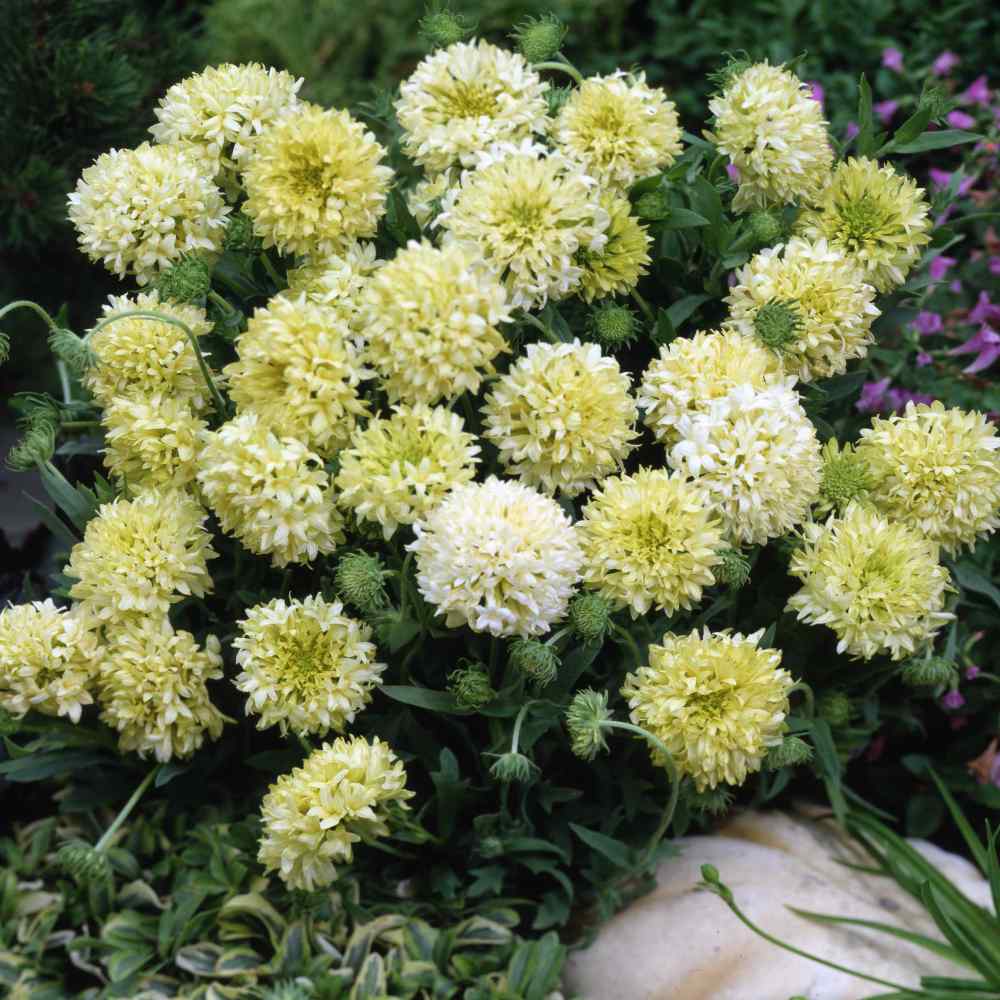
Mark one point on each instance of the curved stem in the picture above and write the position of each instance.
(564, 65)
(541, 327)
(271, 272)
(516, 735)
(220, 404)
(644, 307)
(67, 392)
(809, 697)
(127, 808)
(78, 425)
(629, 641)
(28, 304)
(404, 588)
(214, 296)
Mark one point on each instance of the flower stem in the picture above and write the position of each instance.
(564, 65)
(78, 425)
(127, 809)
(644, 307)
(404, 586)
(623, 634)
(541, 327)
(214, 296)
(810, 699)
(271, 272)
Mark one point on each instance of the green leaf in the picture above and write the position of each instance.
(841, 386)
(828, 764)
(614, 850)
(38, 766)
(865, 142)
(975, 845)
(908, 131)
(971, 577)
(942, 139)
(684, 308)
(64, 496)
(684, 218)
(51, 521)
(535, 966)
(434, 701)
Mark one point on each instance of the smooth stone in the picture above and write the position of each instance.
(683, 943)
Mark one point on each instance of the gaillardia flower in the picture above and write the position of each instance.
(715, 700)
(300, 371)
(649, 540)
(756, 454)
(808, 303)
(498, 557)
(431, 317)
(397, 468)
(877, 583)
(306, 666)
(314, 815)
(618, 129)
(315, 182)
(936, 470)
(692, 371)
(616, 268)
(877, 217)
(152, 687)
(562, 417)
(140, 210)
(772, 130)
(141, 555)
(270, 492)
(461, 99)
(48, 660)
(337, 281)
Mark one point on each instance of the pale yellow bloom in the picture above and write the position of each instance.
(616, 268)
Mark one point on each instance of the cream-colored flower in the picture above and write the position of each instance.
(139, 210)
(562, 417)
(649, 540)
(876, 583)
(616, 268)
(756, 454)
(715, 700)
(809, 303)
(300, 371)
(462, 99)
(425, 199)
(399, 467)
(498, 557)
(314, 815)
(431, 317)
(336, 281)
(270, 492)
(618, 129)
(936, 470)
(141, 555)
(306, 666)
(48, 659)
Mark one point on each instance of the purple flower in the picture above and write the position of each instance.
(959, 119)
(985, 345)
(944, 63)
(994, 265)
(896, 399)
(972, 672)
(956, 287)
(924, 359)
(817, 92)
(942, 178)
(734, 172)
(885, 110)
(984, 311)
(851, 131)
(927, 323)
(892, 59)
(872, 398)
(953, 700)
(977, 92)
(939, 266)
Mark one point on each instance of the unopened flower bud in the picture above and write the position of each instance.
(189, 280)
(37, 445)
(791, 752)
(734, 570)
(72, 351)
(766, 228)
(584, 719)
(288, 990)
(845, 476)
(589, 617)
(470, 685)
(712, 801)
(513, 767)
(613, 326)
(535, 660)
(84, 862)
(240, 236)
(442, 27)
(927, 672)
(539, 39)
(834, 707)
(359, 582)
(654, 206)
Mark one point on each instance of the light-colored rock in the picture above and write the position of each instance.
(682, 943)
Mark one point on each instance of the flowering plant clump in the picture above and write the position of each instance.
(448, 435)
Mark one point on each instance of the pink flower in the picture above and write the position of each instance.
(956, 287)
(734, 172)
(953, 700)
(977, 92)
(944, 63)
(972, 672)
(939, 266)
(896, 399)
(959, 119)
(994, 265)
(885, 110)
(851, 130)
(872, 398)
(927, 323)
(985, 345)
(892, 59)
(816, 91)
(924, 359)
(984, 311)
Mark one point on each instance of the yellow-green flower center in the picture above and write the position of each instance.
(469, 100)
(302, 654)
(861, 220)
(777, 323)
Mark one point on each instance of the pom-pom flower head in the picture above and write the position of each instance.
(141, 555)
(48, 659)
(315, 182)
(692, 371)
(529, 216)
(140, 357)
(616, 268)
(936, 470)
(152, 688)
(139, 210)
(757, 455)
(562, 417)
(466, 97)
(716, 701)
(649, 540)
(498, 557)
(808, 303)
(299, 371)
(618, 129)
(271, 492)
(306, 666)
(314, 815)
(431, 317)
(876, 583)
(397, 468)
(337, 281)
(877, 217)
(772, 130)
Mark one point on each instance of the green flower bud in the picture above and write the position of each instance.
(288, 990)
(189, 280)
(613, 326)
(791, 752)
(535, 660)
(735, 65)
(515, 767)
(777, 323)
(589, 617)
(490, 847)
(4, 347)
(37, 444)
(240, 237)
(927, 672)
(9, 724)
(470, 685)
(766, 228)
(834, 707)
(84, 862)
(584, 719)
(653, 206)
(734, 570)
(72, 351)
(358, 582)
(539, 39)
(442, 27)
(713, 801)
(845, 476)
(936, 100)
